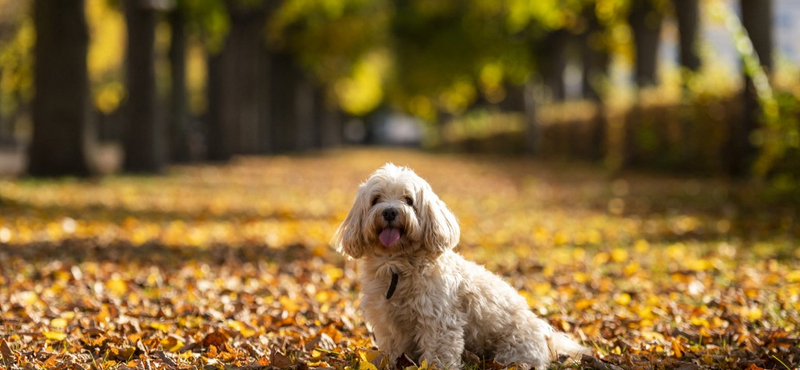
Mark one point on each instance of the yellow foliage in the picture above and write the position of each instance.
(54, 335)
(106, 52)
(363, 91)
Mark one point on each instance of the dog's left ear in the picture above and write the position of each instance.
(439, 226)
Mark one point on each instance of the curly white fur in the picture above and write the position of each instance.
(443, 304)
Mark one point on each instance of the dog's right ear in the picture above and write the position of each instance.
(349, 238)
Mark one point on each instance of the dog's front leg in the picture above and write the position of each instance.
(441, 340)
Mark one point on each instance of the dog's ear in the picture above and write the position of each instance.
(349, 238)
(440, 228)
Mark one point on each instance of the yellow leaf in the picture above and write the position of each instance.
(699, 321)
(366, 365)
(619, 255)
(58, 323)
(288, 305)
(677, 347)
(367, 355)
(752, 314)
(333, 272)
(560, 238)
(117, 285)
(171, 344)
(623, 299)
(541, 289)
(54, 335)
(631, 268)
(641, 246)
(583, 303)
(652, 335)
(241, 328)
(601, 258)
(793, 277)
(160, 326)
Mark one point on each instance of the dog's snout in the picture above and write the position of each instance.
(390, 214)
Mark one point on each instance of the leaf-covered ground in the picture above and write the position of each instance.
(229, 266)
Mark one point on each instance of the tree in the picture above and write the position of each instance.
(179, 115)
(144, 134)
(62, 133)
(757, 21)
(238, 83)
(554, 62)
(595, 55)
(645, 19)
(687, 13)
(285, 87)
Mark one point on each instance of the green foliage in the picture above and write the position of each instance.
(207, 20)
(341, 42)
(779, 124)
(329, 37)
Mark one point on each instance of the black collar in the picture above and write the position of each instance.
(392, 286)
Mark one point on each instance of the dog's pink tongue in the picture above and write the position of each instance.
(389, 236)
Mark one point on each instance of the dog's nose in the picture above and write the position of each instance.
(389, 214)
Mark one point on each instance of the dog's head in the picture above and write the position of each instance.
(396, 212)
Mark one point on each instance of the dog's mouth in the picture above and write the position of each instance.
(389, 236)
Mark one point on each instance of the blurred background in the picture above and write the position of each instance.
(701, 86)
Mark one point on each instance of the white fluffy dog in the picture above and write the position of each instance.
(421, 298)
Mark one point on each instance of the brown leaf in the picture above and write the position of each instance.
(403, 362)
(51, 362)
(254, 352)
(166, 360)
(470, 358)
(8, 354)
(216, 338)
(322, 341)
(280, 360)
(591, 362)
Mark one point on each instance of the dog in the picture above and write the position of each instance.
(426, 301)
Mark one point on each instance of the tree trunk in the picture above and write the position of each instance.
(328, 119)
(4, 133)
(179, 115)
(595, 57)
(61, 140)
(216, 141)
(143, 135)
(554, 63)
(645, 21)
(532, 141)
(241, 75)
(757, 20)
(688, 14)
(307, 125)
(283, 86)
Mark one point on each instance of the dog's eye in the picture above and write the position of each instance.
(375, 200)
(409, 201)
